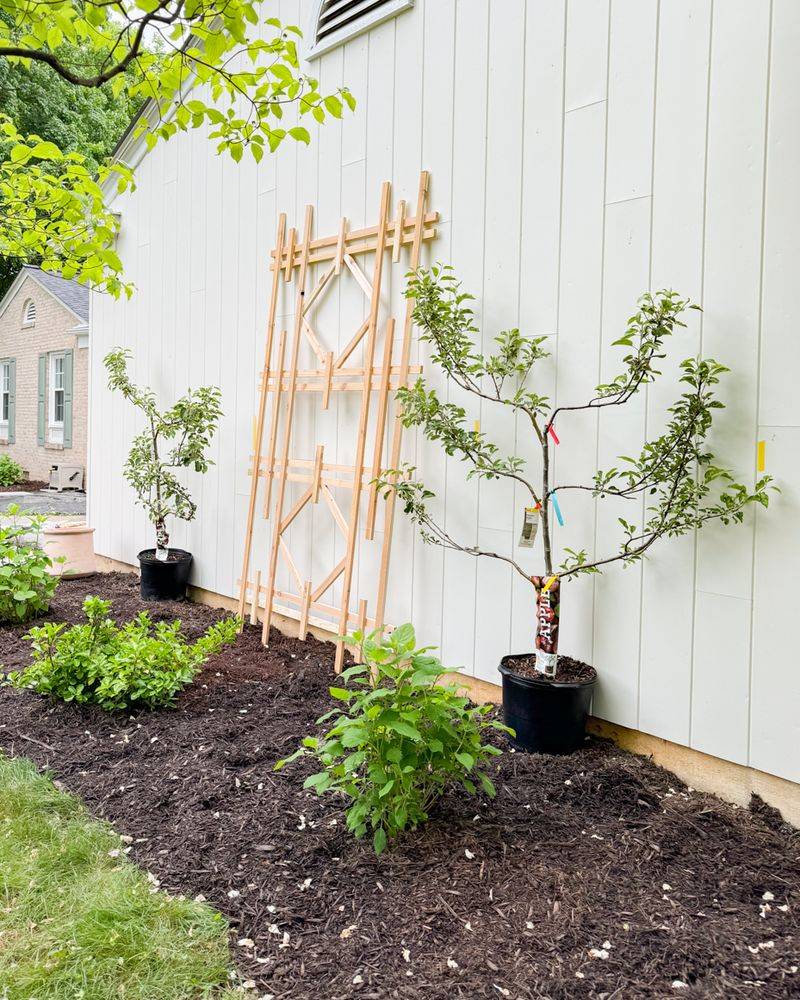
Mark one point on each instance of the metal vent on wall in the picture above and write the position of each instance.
(338, 20)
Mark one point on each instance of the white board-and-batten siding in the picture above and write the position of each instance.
(580, 153)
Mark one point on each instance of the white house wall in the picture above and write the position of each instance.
(580, 153)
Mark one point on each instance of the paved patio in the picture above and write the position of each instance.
(69, 502)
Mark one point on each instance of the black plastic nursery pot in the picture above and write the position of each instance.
(546, 716)
(164, 580)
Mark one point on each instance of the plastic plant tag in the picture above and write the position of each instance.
(761, 461)
(530, 527)
(552, 432)
(548, 609)
(556, 508)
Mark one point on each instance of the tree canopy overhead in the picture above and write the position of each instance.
(76, 120)
(192, 63)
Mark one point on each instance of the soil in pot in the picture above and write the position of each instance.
(164, 579)
(548, 715)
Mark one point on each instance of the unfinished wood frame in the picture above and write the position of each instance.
(292, 260)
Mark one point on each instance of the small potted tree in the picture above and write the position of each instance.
(674, 482)
(174, 439)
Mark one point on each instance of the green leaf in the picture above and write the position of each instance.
(466, 760)
(341, 694)
(379, 840)
(318, 781)
(405, 729)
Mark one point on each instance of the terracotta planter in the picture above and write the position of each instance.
(73, 542)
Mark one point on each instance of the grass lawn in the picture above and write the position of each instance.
(78, 920)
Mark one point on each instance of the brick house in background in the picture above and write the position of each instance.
(44, 340)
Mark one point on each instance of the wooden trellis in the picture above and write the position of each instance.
(275, 465)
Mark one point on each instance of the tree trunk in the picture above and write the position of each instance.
(162, 540)
(548, 609)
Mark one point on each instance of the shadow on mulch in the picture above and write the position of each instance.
(601, 850)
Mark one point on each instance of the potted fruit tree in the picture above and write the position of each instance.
(674, 482)
(172, 440)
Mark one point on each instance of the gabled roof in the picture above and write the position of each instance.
(70, 294)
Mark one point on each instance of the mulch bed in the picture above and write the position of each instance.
(27, 486)
(601, 850)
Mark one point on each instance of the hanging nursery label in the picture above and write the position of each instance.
(548, 601)
(530, 526)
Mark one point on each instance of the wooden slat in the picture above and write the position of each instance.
(299, 504)
(287, 555)
(358, 274)
(262, 405)
(398, 231)
(317, 474)
(357, 237)
(369, 357)
(353, 344)
(340, 246)
(273, 430)
(328, 382)
(329, 580)
(254, 602)
(287, 431)
(380, 425)
(287, 274)
(335, 509)
(304, 609)
(313, 339)
(397, 435)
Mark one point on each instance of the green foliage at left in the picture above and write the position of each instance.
(11, 472)
(401, 738)
(78, 920)
(26, 585)
(137, 666)
(87, 121)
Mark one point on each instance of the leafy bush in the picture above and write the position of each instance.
(11, 472)
(140, 665)
(26, 587)
(401, 740)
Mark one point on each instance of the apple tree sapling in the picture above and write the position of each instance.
(172, 439)
(674, 483)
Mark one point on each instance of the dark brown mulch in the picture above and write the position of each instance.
(601, 850)
(27, 486)
(568, 671)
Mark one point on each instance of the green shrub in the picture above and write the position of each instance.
(26, 586)
(401, 740)
(140, 665)
(11, 473)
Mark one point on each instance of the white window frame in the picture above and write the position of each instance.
(55, 428)
(29, 313)
(5, 398)
(389, 9)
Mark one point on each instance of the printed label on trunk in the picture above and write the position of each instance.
(530, 526)
(548, 607)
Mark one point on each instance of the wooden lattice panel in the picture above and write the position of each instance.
(273, 463)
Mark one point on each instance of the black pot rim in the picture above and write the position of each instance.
(149, 556)
(534, 682)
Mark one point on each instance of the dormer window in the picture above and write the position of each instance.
(29, 313)
(335, 21)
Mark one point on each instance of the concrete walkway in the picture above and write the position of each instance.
(69, 502)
